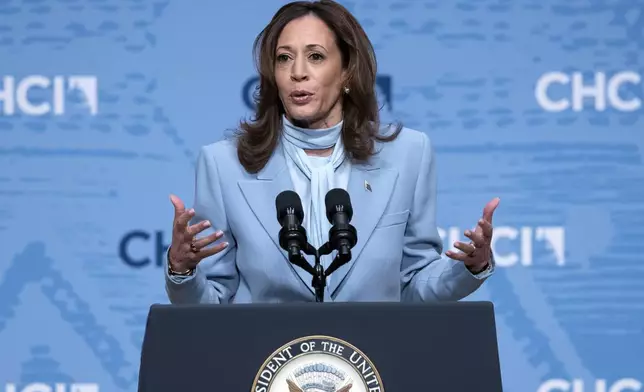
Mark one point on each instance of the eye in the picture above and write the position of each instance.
(282, 58)
(316, 57)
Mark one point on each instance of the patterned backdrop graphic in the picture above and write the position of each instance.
(104, 104)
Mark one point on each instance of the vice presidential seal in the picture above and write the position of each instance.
(317, 364)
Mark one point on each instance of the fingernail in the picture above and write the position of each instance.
(481, 221)
(220, 233)
(191, 211)
(206, 224)
(225, 244)
(467, 232)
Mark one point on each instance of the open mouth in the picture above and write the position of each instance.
(301, 96)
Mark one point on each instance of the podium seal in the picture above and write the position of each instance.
(317, 363)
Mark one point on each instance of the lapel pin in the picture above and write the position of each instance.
(367, 186)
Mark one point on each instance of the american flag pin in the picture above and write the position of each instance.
(367, 186)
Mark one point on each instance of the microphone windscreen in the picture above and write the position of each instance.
(338, 200)
(288, 200)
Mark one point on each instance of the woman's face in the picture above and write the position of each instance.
(309, 73)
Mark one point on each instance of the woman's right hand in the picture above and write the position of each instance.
(186, 250)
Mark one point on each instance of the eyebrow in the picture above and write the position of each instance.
(309, 46)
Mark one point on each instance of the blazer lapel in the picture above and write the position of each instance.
(370, 188)
(260, 194)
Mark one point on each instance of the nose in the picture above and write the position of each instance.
(298, 71)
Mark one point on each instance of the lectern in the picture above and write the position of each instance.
(335, 347)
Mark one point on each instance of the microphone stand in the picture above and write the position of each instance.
(317, 271)
(319, 279)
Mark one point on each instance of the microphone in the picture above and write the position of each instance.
(292, 235)
(342, 235)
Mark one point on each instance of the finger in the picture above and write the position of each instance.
(179, 207)
(213, 250)
(486, 228)
(489, 208)
(476, 237)
(460, 256)
(207, 240)
(182, 221)
(466, 248)
(197, 228)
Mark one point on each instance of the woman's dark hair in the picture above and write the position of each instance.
(256, 140)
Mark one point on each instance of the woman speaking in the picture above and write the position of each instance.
(316, 128)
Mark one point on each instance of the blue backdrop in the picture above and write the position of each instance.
(104, 103)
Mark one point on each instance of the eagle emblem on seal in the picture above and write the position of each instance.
(318, 377)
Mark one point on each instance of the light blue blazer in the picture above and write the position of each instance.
(397, 256)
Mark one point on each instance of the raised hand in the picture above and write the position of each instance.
(186, 250)
(478, 252)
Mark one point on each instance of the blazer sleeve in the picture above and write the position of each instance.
(426, 274)
(216, 278)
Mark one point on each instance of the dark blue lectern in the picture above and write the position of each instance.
(335, 347)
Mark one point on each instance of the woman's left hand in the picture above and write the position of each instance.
(478, 252)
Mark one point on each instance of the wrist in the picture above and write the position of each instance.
(477, 269)
(180, 271)
(177, 269)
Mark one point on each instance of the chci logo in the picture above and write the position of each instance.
(317, 363)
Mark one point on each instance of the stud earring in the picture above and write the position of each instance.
(346, 90)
